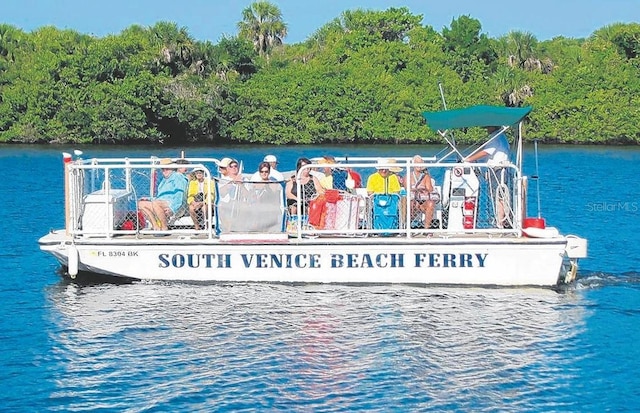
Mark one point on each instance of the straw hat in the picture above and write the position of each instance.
(395, 169)
(326, 161)
(166, 161)
(387, 164)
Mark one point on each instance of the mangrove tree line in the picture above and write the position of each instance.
(365, 76)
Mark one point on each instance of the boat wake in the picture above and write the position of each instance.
(599, 279)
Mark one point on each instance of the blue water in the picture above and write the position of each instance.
(244, 347)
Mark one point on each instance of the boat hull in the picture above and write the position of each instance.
(449, 261)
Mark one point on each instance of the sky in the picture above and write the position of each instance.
(213, 19)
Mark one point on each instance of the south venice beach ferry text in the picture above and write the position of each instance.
(382, 260)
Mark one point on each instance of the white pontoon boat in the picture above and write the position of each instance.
(478, 232)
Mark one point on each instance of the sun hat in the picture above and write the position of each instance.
(386, 164)
(270, 158)
(166, 161)
(395, 169)
(326, 161)
(225, 162)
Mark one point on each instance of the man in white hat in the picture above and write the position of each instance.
(229, 180)
(229, 170)
(274, 173)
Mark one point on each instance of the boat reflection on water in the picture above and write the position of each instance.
(242, 346)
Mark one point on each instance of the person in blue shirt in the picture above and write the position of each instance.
(171, 197)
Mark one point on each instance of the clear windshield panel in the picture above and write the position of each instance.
(251, 207)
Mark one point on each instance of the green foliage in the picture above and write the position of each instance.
(469, 52)
(364, 77)
(232, 55)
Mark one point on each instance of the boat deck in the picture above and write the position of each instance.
(423, 238)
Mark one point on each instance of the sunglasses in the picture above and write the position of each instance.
(235, 165)
(264, 171)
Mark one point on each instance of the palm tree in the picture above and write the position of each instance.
(262, 24)
(522, 45)
(176, 45)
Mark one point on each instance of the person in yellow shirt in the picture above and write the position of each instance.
(200, 195)
(383, 181)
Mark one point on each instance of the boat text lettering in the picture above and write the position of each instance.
(333, 260)
(117, 253)
(450, 260)
(367, 260)
(281, 260)
(195, 260)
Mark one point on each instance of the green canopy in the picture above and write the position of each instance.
(481, 116)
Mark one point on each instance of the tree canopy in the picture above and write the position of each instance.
(366, 76)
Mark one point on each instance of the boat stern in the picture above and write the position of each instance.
(575, 249)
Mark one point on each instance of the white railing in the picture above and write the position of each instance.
(105, 194)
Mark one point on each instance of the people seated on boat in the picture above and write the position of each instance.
(315, 172)
(200, 197)
(266, 188)
(334, 177)
(355, 177)
(228, 169)
(171, 197)
(397, 171)
(422, 194)
(310, 186)
(326, 180)
(495, 151)
(183, 170)
(259, 175)
(384, 180)
(229, 182)
(273, 164)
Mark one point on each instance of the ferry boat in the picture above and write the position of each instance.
(477, 231)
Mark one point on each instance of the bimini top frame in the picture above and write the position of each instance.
(477, 116)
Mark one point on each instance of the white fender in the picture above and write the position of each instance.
(548, 232)
(73, 261)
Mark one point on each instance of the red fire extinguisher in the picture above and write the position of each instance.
(469, 212)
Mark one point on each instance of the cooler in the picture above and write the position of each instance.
(103, 213)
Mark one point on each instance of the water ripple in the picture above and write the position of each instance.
(160, 347)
